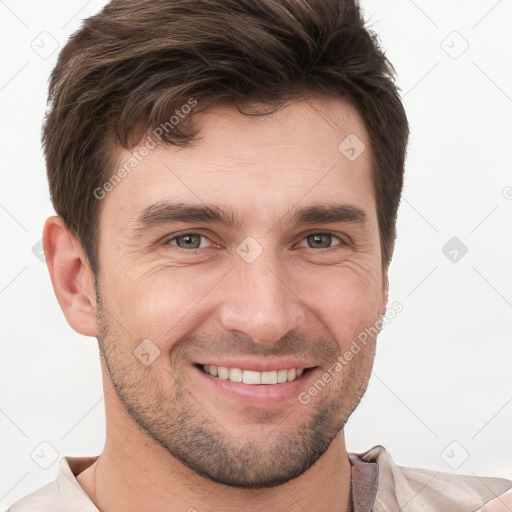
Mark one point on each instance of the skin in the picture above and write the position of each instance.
(502, 503)
(173, 441)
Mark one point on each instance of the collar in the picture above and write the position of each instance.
(363, 480)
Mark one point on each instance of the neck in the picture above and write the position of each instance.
(134, 473)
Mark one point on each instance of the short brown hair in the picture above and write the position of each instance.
(128, 68)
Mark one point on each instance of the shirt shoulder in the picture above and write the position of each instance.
(44, 499)
(415, 489)
(61, 495)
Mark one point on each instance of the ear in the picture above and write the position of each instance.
(72, 279)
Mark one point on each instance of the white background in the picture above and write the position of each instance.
(442, 371)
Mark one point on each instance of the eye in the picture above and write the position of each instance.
(321, 240)
(188, 241)
(195, 241)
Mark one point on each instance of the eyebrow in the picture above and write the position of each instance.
(167, 213)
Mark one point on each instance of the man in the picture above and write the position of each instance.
(226, 175)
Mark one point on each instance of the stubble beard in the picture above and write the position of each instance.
(266, 457)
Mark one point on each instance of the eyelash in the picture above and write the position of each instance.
(339, 236)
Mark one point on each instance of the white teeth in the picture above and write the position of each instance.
(269, 377)
(235, 375)
(252, 377)
(223, 372)
(282, 376)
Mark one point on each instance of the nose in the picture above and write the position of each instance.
(259, 301)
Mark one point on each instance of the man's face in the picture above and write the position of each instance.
(270, 291)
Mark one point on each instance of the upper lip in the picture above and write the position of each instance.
(260, 365)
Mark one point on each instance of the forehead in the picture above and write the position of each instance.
(258, 165)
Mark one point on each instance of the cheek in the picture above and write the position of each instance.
(164, 303)
(345, 298)
(161, 303)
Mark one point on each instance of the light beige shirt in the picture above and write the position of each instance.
(378, 485)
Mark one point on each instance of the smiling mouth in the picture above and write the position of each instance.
(252, 377)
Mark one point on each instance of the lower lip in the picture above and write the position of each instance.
(258, 394)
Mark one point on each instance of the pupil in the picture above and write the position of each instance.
(317, 240)
(189, 241)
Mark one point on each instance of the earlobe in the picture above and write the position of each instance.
(72, 279)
